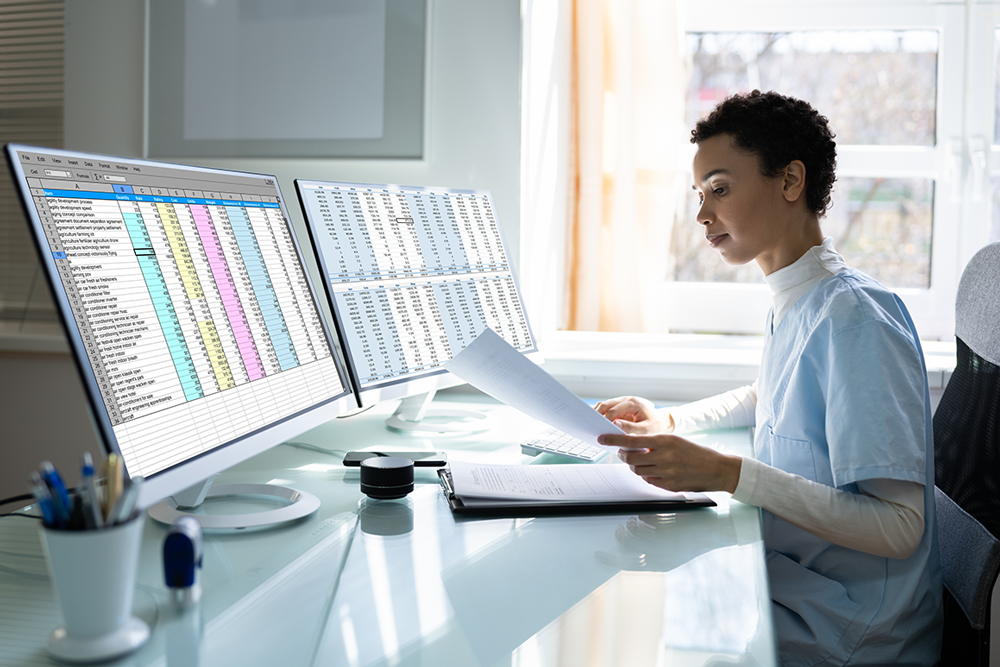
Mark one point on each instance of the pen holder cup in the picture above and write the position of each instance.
(93, 572)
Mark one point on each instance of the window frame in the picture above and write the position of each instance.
(983, 141)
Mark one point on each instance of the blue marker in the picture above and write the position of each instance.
(41, 493)
(60, 497)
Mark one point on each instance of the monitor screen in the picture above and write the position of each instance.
(413, 275)
(187, 305)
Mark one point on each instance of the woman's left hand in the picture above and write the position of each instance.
(673, 463)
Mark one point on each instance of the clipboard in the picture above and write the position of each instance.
(500, 508)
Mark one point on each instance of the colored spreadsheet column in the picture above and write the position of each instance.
(227, 291)
(220, 365)
(267, 300)
(195, 292)
(182, 254)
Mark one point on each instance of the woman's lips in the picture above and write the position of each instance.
(715, 239)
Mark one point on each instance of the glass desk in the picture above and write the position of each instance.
(385, 583)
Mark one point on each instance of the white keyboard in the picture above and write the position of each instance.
(554, 441)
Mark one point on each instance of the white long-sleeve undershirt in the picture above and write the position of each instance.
(885, 519)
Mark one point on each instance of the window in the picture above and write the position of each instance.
(31, 112)
(984, 121)
(915, 160)
(890, 93)
(881, 225)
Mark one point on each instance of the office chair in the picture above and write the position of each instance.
(967, 465)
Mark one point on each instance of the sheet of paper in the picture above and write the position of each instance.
(588, 483)
(493, 366)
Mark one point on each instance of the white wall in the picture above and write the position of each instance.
(104, 65)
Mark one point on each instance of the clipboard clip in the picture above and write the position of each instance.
(444, 476)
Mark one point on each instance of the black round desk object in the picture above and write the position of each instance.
(386, 477)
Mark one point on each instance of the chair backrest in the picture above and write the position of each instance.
(977, 304)
(970, 558)
(967, 463)
(967, 420)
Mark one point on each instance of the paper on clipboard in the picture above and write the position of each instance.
(580, 483)
(493, 366)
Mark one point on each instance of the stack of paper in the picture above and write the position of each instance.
(576, 483)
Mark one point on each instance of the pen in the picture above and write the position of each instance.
(125, 507)
(60, 497)
(90, 501)
(44, 498)
(77, 516)
(113, 489)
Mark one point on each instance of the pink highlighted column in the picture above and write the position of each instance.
(227, 290)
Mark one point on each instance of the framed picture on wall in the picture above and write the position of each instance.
(298, 78)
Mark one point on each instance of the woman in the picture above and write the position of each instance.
(843, 453)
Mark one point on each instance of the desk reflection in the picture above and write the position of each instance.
(184, 631)
(528, 579)
(246, 619)
(423, 588)
(385, 517)
(662, 542)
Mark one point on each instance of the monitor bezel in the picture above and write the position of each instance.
(428, 381)
(197, 469)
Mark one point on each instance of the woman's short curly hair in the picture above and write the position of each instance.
(778, 129)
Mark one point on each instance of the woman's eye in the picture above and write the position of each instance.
(719, 191)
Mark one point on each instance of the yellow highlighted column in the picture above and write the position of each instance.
(182, 254)
(220, 365)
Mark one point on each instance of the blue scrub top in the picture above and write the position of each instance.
(842, 397)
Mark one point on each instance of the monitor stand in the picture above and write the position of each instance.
(299, 505)
(414, 415)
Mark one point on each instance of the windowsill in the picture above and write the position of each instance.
(677, 366)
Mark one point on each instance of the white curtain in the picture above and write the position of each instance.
(626, 154)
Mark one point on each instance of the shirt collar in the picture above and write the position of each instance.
(788, 284)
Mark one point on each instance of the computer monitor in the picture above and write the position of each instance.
(413, 275)
(190, 314)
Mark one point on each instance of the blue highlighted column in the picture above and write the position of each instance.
(263, 289)
(137, 231)
(164, 307)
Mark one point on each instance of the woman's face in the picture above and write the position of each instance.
(744, 212)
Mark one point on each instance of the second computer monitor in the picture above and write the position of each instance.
(413, 275)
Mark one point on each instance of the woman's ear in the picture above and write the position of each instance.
(794, 183)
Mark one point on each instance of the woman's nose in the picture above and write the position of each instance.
(704, 214)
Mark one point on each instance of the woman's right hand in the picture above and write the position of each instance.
(636, 415)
